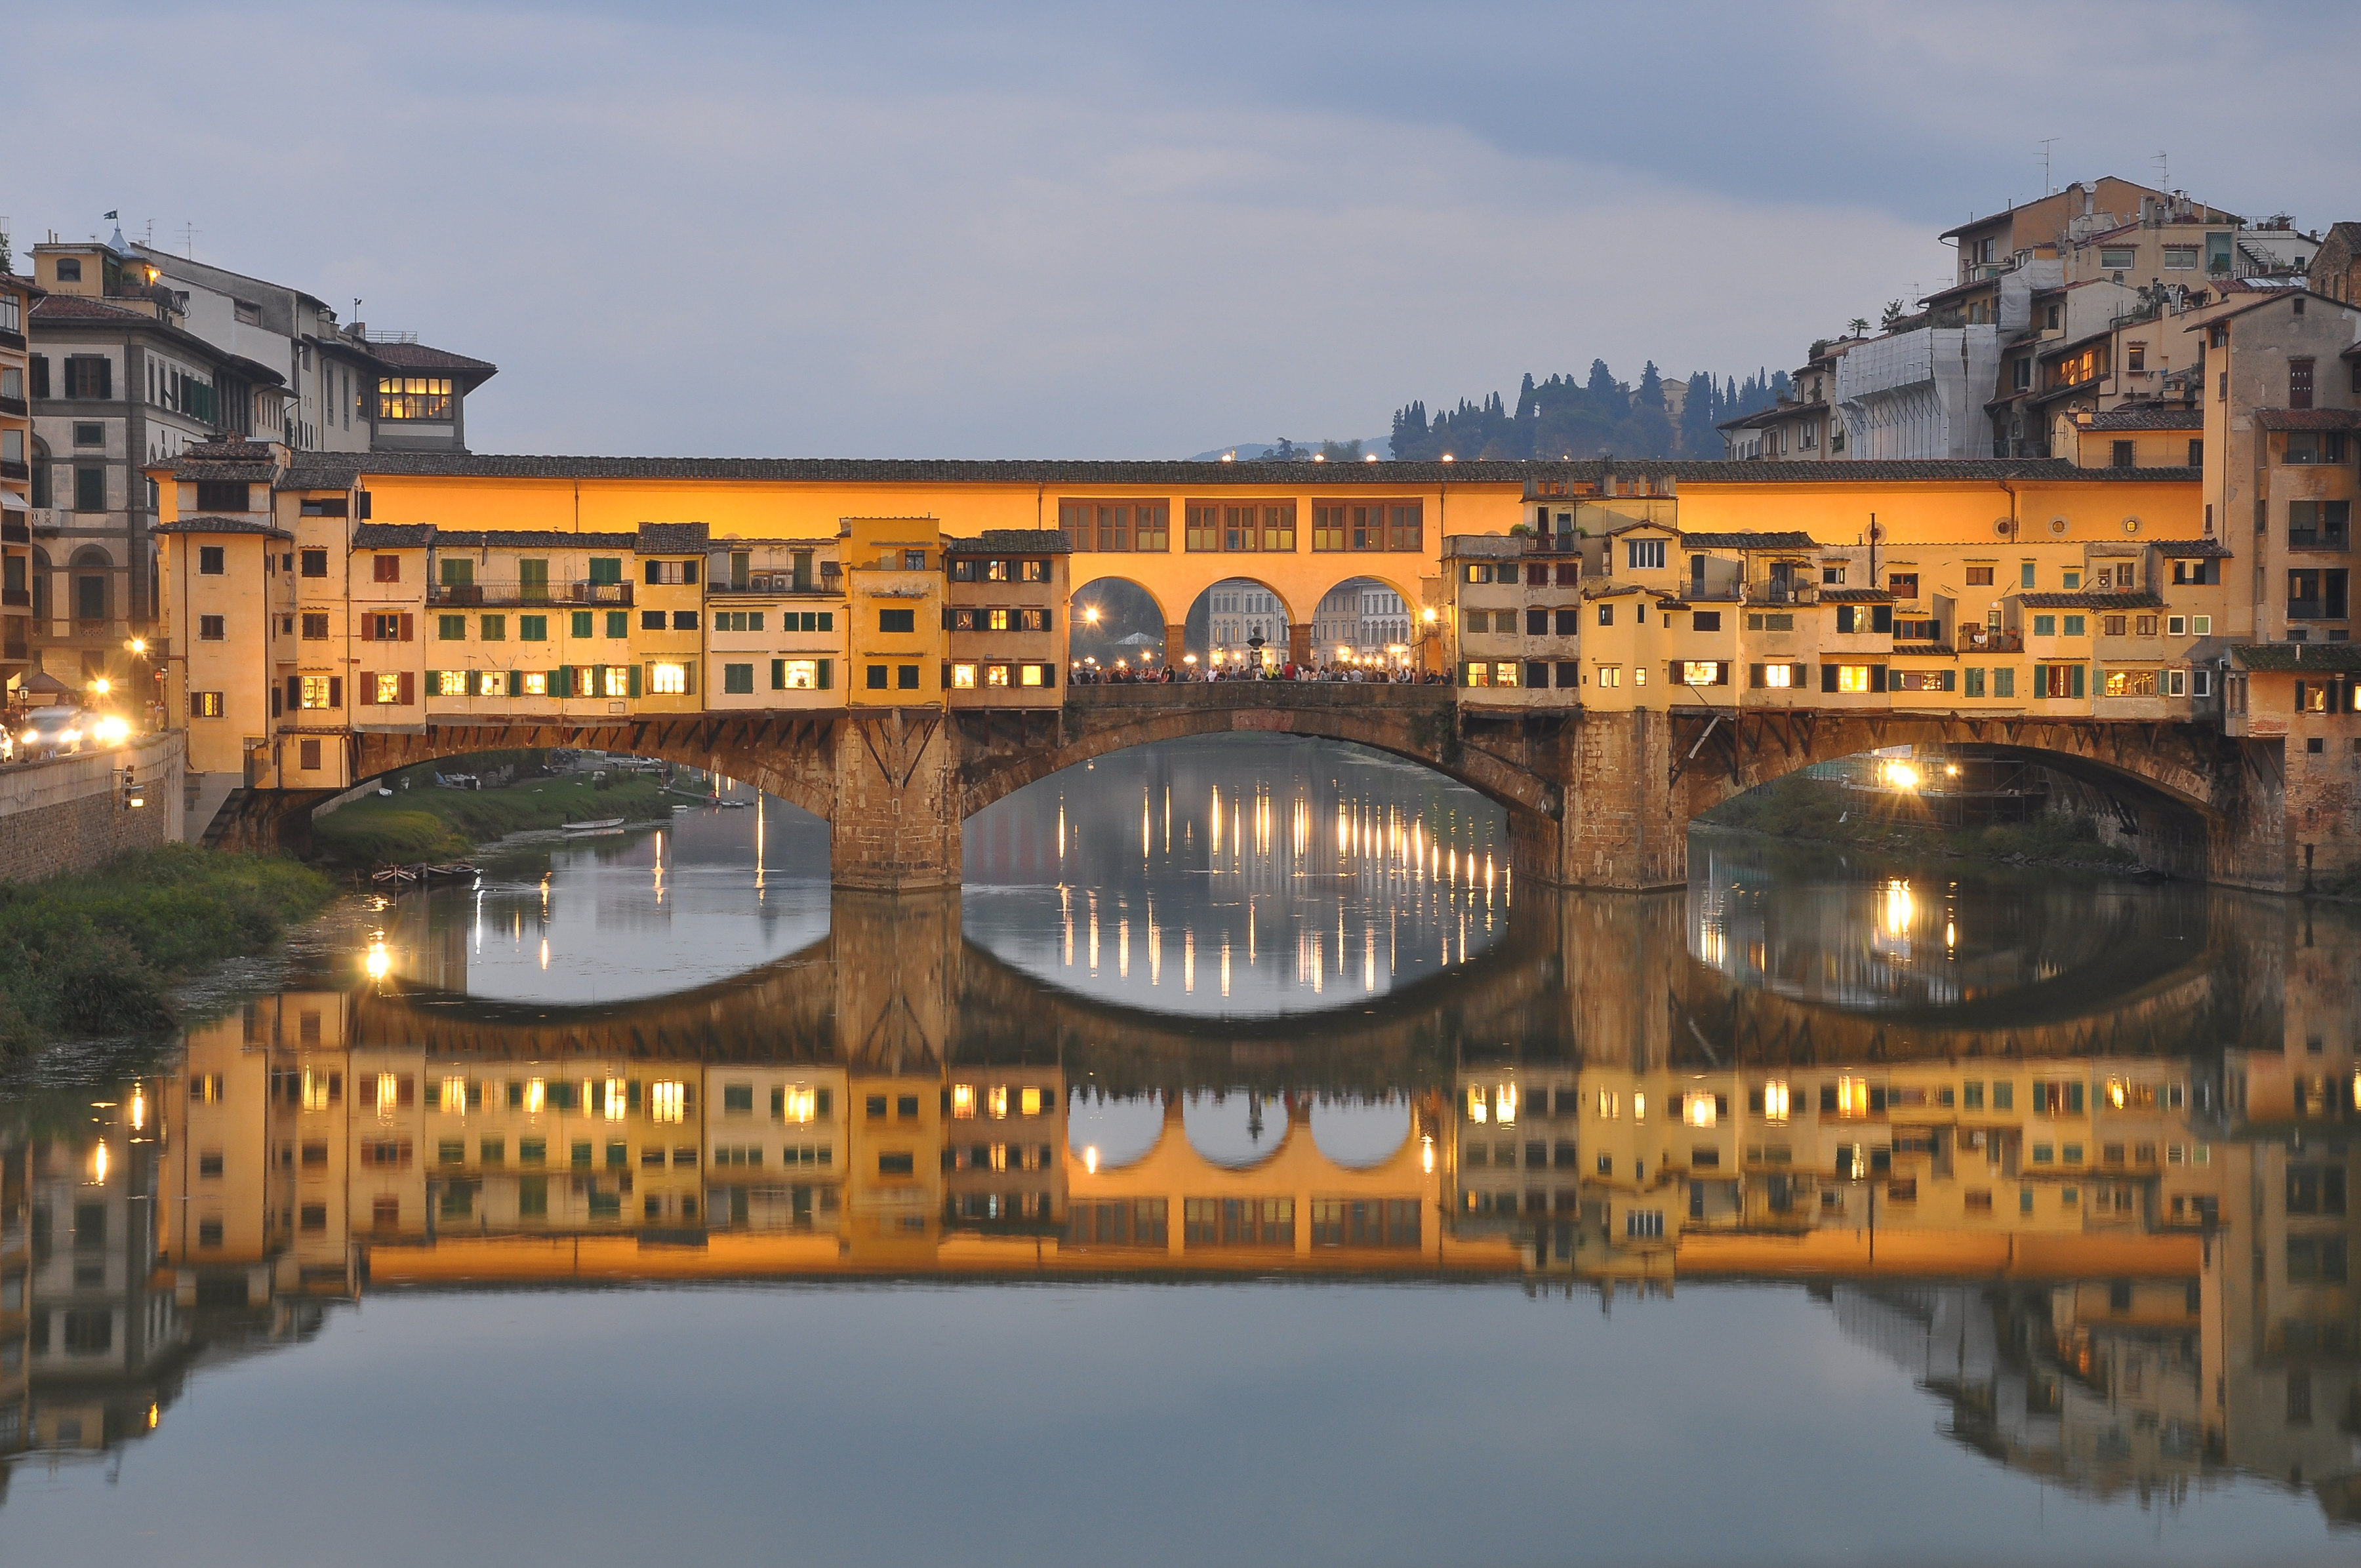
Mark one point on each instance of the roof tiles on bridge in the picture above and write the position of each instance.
(2091, 601)
(2323, 658)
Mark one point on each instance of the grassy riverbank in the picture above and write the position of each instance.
(425, 823)
(96, 952)
(1800, 809)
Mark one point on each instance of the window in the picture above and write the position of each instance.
(413, 398)
(651, 620)
(1376, 525)
(897, 621)
(1902, 585)
(317, 691)
(905, 677)
(737, 680)
(2300, 383)
(532, 629)
(671, 572)
(877, 681)
(492, 627)
(2314, 447)
(1108, 525)
(668, 680)
(1850, 677)
(90, 376)
(451, 628)
(2121, 455)
(386, 687)
(210, 629)
(315, 563)
(1643, 555)
(2130, 683)
(386, 569)
(206, 704)
(580, 623)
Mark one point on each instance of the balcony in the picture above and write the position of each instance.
(13, 528)
(17, 598)
(2312, 609)
(775, 582)
(17, 406)
(1780, 593)
(16, 471)
(2318, 539)
(472, 596)
(1986, 639)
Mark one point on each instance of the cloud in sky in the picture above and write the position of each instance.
(1086, 231)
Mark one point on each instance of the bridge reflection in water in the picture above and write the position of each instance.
(2099, 1206)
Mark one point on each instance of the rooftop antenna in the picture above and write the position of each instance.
(2046, 143)
(2163, 172)
(188, 238)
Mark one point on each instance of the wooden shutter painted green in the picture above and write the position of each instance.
(634, 687)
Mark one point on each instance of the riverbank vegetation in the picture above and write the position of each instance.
(95, 953)
(1803, 809)
(426, 822)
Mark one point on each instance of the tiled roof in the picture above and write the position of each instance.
(673, 538)
(2192, 547)
(1791, 540)
(82, 308)
(1605, 590)
(229, 473)
(2090, 601)
(1048, 541)
(1855, 596)
(1772, 415)
(334, 471)
(2309, 419)
(2327, 658)
(229, 449)
(393, 535)
(2150, 418)
(204, 524)
(419, 357)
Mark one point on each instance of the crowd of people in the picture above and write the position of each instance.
(1088, 674)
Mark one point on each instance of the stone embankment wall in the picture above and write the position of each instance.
(66, 814)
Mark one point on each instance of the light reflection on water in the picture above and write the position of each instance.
(1244, 877)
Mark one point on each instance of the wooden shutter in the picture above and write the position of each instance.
(826, 667)
(1755, 676)
(294, 694)
(1827, 678)
(408, 631)
(634, 682)
(369, 628)
(778, 674)
(407, 690)
(1877, 677)
(335, 691)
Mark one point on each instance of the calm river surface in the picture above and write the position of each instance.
(1240, 1167)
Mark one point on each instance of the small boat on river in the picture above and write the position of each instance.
(603, 825)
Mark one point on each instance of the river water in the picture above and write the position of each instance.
(1239, 1166)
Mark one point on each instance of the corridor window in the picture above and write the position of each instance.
(1108, 525)
(413, 397)
(1778, 677)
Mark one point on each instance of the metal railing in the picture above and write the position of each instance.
(1986, 639)
(1779, 593)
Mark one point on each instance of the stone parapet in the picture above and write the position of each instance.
(66, 814)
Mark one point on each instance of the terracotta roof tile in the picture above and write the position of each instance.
(2309, 419)
(2090, 601)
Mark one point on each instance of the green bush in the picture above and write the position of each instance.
(96, 952)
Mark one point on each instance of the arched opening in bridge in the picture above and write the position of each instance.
(567, 877)
(1237, 874)
(1987, 801)
(1106, 1133)
(1359, 1135)
(1113, 623)
(1239, 623)
(1235, 1128)
(1365, 622)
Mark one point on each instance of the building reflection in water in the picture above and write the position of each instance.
(2102, 1212)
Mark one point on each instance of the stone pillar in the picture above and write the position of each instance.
(1176, 643)
(1623, 825)
(1299, 641)
(894, 824)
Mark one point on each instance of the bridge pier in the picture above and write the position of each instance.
(893, 826)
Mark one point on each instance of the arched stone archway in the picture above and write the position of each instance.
(1227, 617)
(1128, 609)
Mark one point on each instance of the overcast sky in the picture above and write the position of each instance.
(1101, 231)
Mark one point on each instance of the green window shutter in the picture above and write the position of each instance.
(828, 621)
(2077, 679)
(634, 690)
(778, 674)
(827, 666)
(582, 623)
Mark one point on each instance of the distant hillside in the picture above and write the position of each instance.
(1285, 451)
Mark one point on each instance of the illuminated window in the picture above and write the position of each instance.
(1639, 1106)
(1032, 674)
(668, 680)
(1030, 1102)
(413, 397)
(1853, 1097)
(962, 1102)
(455, 1095)
(799, 1104)
(963, 678)
(803, 675)
(314, 691)
(1506, 1099)
(1507, 672)
(995, 619)
(536, 682)
(996, 675)
(615, 680)
(386, 686)
(1700, 1110)
(996, 1101)
(1610, 1106)
(615, 1099)
(1776, 1100)
(315, 1091)
(450, 683)
(1853, 678)
(1611, 674)
(1702, 673)
(667, 1101)
(387, 1093)
(536, 1095)
(1478, 1112)
(1478, 674)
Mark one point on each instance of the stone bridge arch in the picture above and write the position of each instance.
(2182, 786)
(1420, 724)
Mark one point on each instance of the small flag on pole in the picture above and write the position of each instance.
(112, 217)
